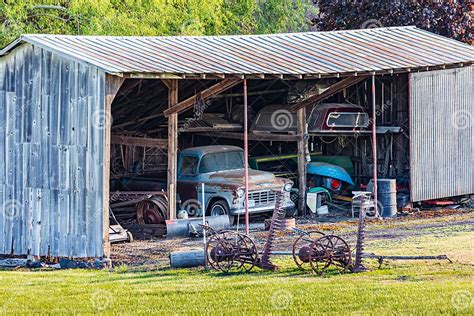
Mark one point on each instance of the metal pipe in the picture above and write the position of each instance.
(374, 146)
(190, 226)
(246, 160)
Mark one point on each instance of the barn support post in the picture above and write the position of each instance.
(302, 145)
(374, 146)
(112, 86)
(172, 147)
(246, 160)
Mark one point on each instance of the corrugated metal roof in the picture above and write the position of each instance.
(311, 54)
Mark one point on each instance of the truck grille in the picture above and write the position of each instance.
(262, 197)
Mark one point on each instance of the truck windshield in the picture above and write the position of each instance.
(222, 161)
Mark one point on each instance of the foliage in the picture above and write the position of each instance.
(151, 17)
(449, 19)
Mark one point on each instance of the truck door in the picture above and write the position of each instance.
(188, 177)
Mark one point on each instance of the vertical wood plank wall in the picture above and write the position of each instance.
(51, 155)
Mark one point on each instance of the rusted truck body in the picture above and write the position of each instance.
(221, 169)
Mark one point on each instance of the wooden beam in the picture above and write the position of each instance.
(209, 92)
(302, 150)
(172, 149)
(167, 83)
(335, 88)
(139, 141)
(239, 94)
(254, 137)
(112, 85)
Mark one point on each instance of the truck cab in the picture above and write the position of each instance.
(221, 169)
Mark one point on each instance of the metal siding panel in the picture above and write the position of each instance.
(45, 123)
(441, 133)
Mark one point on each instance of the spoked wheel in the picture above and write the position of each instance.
(329, 251)
(341, 257)
(301, 247)
(152, 211)
(116, 166)
(222, 251)
(248, 254)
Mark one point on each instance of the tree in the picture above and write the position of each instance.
(151, 17)
(449, 19)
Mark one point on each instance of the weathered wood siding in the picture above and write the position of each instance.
(52, 149)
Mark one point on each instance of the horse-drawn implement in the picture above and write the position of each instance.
(230, 250)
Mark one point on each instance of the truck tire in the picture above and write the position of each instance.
(220, 207)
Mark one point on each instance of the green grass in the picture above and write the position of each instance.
(408, 287)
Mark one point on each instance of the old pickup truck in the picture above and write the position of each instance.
(221, 169)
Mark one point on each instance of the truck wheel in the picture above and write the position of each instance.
(220, 207)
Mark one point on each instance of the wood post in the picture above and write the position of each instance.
(172, 147)
(112, 85)
(302, 145)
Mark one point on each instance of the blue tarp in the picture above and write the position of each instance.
(330, 171)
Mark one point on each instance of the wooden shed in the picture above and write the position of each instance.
(59, 96)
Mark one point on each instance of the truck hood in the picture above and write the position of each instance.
(258, 180)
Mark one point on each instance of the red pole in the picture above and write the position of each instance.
(374, 145)
(246, 160)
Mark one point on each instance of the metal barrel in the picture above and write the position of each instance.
(387, 196)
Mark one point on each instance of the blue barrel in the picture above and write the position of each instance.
(387, 196)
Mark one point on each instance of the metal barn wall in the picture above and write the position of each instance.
(442, 133)
(51, 147)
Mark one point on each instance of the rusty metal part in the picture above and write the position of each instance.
(381, 259)
(301, 247)
(364, 206)
(152, 210)
(330, 251)
(358, 265)
(117, 166)
(231, 251)
(278, 216)
(385, 50)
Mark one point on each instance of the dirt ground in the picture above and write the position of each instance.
(147, 253)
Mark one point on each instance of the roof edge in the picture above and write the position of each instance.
(23, 39)
(11, 46)
(228, 35)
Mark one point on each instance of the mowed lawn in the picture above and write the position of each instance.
(407, 287)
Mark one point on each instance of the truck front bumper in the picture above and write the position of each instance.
(288, 205)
